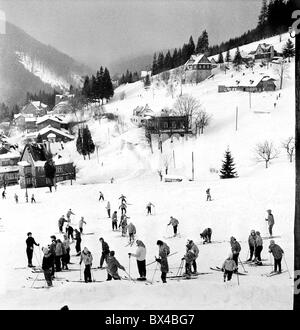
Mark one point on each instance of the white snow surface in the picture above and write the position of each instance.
(238, 205)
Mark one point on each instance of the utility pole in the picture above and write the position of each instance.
(174, 158)
(296, 305)
(250, 100)
(193, 166)
(236, 118)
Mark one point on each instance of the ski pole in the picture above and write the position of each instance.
(154, 272)
(238, 279)
(168, 257)
(287, 266)
(129, 277)
(129, 266)
(243, 266)
(80, 272)
(35, 279)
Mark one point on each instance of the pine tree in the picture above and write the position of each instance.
(202, 44)
(147, 82)
(50, 170)
(288, 50)
(88, 146)
(238, 60)
(191, 47)
(160, 62)
(108, 89)
(154, 65)
(86, 87)
(220, 59)
(263, 16)
(228, 167)
(79, 144)
(168, 61)
(228, 57)
(175, 58)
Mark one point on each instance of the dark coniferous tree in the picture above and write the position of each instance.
(108, 90)
(220, 58)
(288, 49)
(154, 65)
(160, 62)
(238, 60)
(228, 57)
(228, 167)
(191, 47)
(86, 88)
(79, 144)
(167, 61)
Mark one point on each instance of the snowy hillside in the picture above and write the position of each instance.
(238, 205)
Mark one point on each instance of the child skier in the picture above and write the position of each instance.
(208, 196)
(131, 231)
(105, 252)
(271, 222)
(148, 207)
(112, 267)
(33, 199)
(123, 224)
(206, 235)
(235, 249)
(258, 248)
(47, 264)
(78, 242)
(251, 243)
(108, 209)
(277, 252)
(229, 267)
(101, 196)
(16, 198)
(61, 222)
(114, 221)
(80, 225)
(123, 207)
(69, 213)
(174, 222)
(87, 259)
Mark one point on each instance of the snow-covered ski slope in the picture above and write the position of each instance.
(237, 206)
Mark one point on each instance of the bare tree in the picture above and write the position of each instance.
(289, 146)
(171, 88)
(266, 151)
(166, 159)
(281, 71)
(179, 75)
(77, 103)
(165, 76)
(202, 119)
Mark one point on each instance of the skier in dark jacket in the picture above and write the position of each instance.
(251, 242)
(258, 248)
(164, 251)
(114, 222)
(206, 235)
(69, 231)
(112, 267)
(277, 252)
(30, 242)
(235, 249)
(123, 208)
(61, 222)
(208, 196)
(105, 252)
(78, 242)
(47, 265)
(52, 250)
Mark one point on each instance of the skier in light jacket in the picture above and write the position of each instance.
(174, 222)
(87, 259)
(229, 266)
(131, 231)
(140, 255)
(271, 222)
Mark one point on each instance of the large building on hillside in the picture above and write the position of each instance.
(31, 166)
(168, 125)
(36, 108)
(9, 169)
(141, 114)
(264, 51)
(197, 68)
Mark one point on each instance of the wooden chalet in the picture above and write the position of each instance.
(198, 68)
(53, 121)
(264, 51)
(31, 166)
(36, 108)
(141, 114)
(60, 135)
(9, 169)
(168, 125)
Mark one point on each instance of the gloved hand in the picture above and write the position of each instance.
(129, 254)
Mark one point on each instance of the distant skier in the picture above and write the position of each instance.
(208, 196)
(131, 232)
(114, 221)
(87, 259)
(108, 209)
(160, 175)
(148, 207)
(112, 180)
(123, 208)
(123, 199)
(251, 243)
(58, 255)
(26, 196)
(271, 222)
(105, 252)
(16, 198)
(277, 252)
(61, 222)
(235, 249)
(69, 231)
(258, 248)
(123, 224)
(30, 242)
(66, 255)
(33, 199)
(69, 213)
(206, 235)
(78, 242)
(140, 255)
(101, 196)
(229, 267)
(3, 194)
(80, 225)
(194, 248)
(47, 265)
(112, 267)
(163, 253)
(174, 222)
(52, 249)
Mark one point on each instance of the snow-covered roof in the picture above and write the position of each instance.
(7, 169)
(249, 80)
(265, 47)
(23, 163)
(16, 116)
(10, 155)
(145, 74)
(51, 135)
(62, 160)
(39, 104)
(195, 59)
(50, 117)
(30, 119)
(50, 129)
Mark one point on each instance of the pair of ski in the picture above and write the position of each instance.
(186, 277)
(169, 237)
(130, 243)
(274, 273)
(220, 270)
(38, 270)
(126, 278)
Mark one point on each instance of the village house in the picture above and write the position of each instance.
(63, 97)
(250, 83)
(264, 51)
(60, 135)
(198, 68)
(168, 125)
(30, 124)
(53, 121)
(36, 108)
(141, 114)
(9, 169)
(32, 161)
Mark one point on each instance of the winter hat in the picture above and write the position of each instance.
(232, 238)
(252, 231)
(159, 242)
(269, 211)
(272, 242)
(257, 233)
(86, 250)
(45, 250)
(29, 233)
(53, 237)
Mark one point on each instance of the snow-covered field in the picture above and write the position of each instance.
(238, 206)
